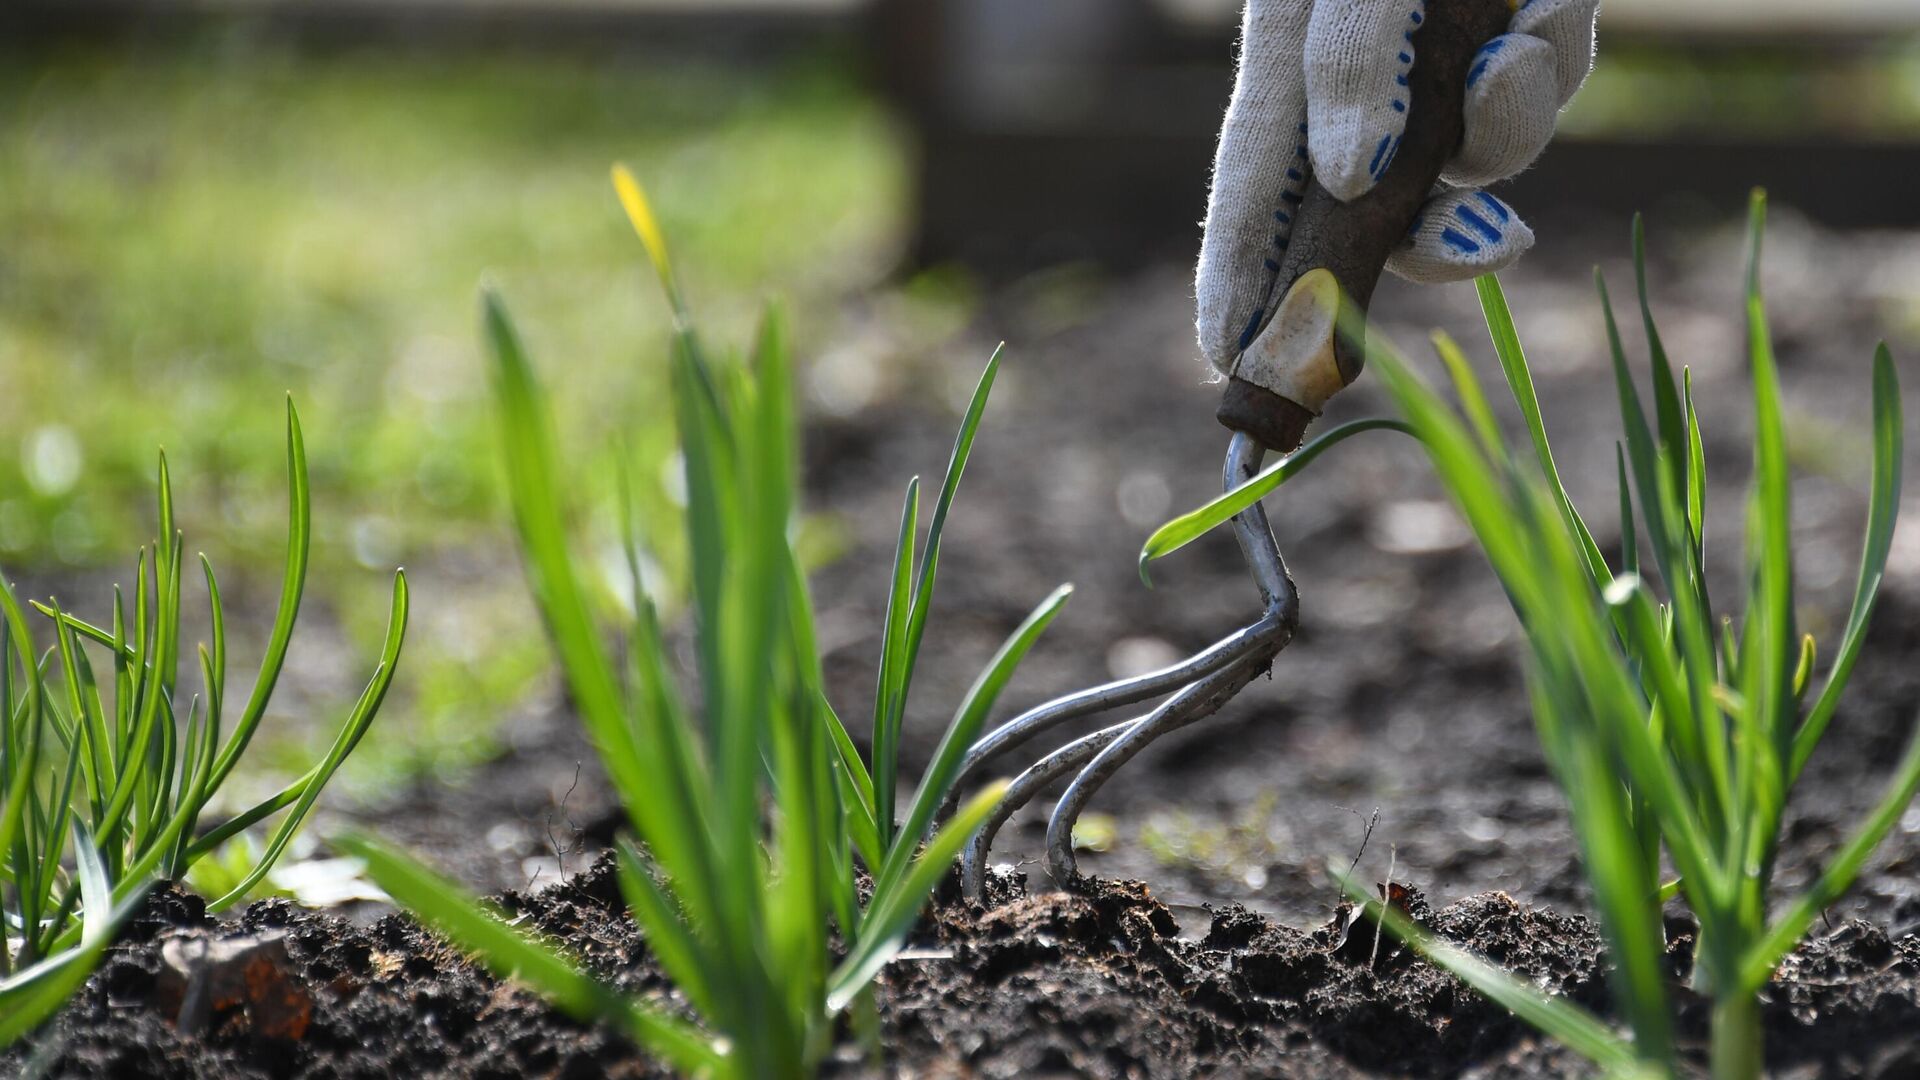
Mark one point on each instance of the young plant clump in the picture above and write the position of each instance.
(1670, 728)
(749, 814)
(105, 792)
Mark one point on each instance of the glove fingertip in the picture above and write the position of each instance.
(1337, 172)
(1509, 111)
(1568, 26)
(1227, 313)
(1359, 56)
(1461, 234)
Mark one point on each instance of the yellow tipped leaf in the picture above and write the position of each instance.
(633, 199)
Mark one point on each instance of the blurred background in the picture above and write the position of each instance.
(205, 206)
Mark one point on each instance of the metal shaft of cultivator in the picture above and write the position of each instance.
(1333, 260)
(1199, 685)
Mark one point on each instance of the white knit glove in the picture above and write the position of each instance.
(1322, 91)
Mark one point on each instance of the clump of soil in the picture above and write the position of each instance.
(1102, 982)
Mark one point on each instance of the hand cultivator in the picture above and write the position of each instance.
(1295, 361)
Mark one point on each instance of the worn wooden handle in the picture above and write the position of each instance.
(1353, 239)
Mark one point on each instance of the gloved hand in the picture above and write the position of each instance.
(1321, 92)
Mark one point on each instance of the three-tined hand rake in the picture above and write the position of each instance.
(1309, 348)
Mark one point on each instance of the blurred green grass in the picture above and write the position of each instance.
(1649, 88)
(187, 234)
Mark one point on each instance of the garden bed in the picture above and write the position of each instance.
(1403, 692)
(1102, 984)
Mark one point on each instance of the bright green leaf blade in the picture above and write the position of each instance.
(1882, 514)
(1644, 632)
(1622, 878)
(1671, 547)
(1666, 397)
(856, 791)
(1513, 539)
(1629, 538)
(1196, 523)
(1513, 364)
(944, 770)
(359, 719)
(531, 475)
(20, 729)
(1643, 453)
(1841, 871)
(1455, 454)
(96, 895)
(1771, 607)
(96, 756)
(250, 817)
(889, 697)
(895, 908)
(930, 557)
(293, 584)
(649, 788)
(217, 657)
(659, 718)
(1473, 400)
(1768, 639)
(1696, 471)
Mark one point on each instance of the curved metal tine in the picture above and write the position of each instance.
(1261, 642)
(1205, 680)
(973, 862)
(1257, 546)
(1045, 717)
(1245, 644)
(1195, 703)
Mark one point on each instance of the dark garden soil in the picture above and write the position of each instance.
(1402, 694)
(1100, 983)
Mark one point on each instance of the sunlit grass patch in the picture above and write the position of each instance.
(186, 233)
